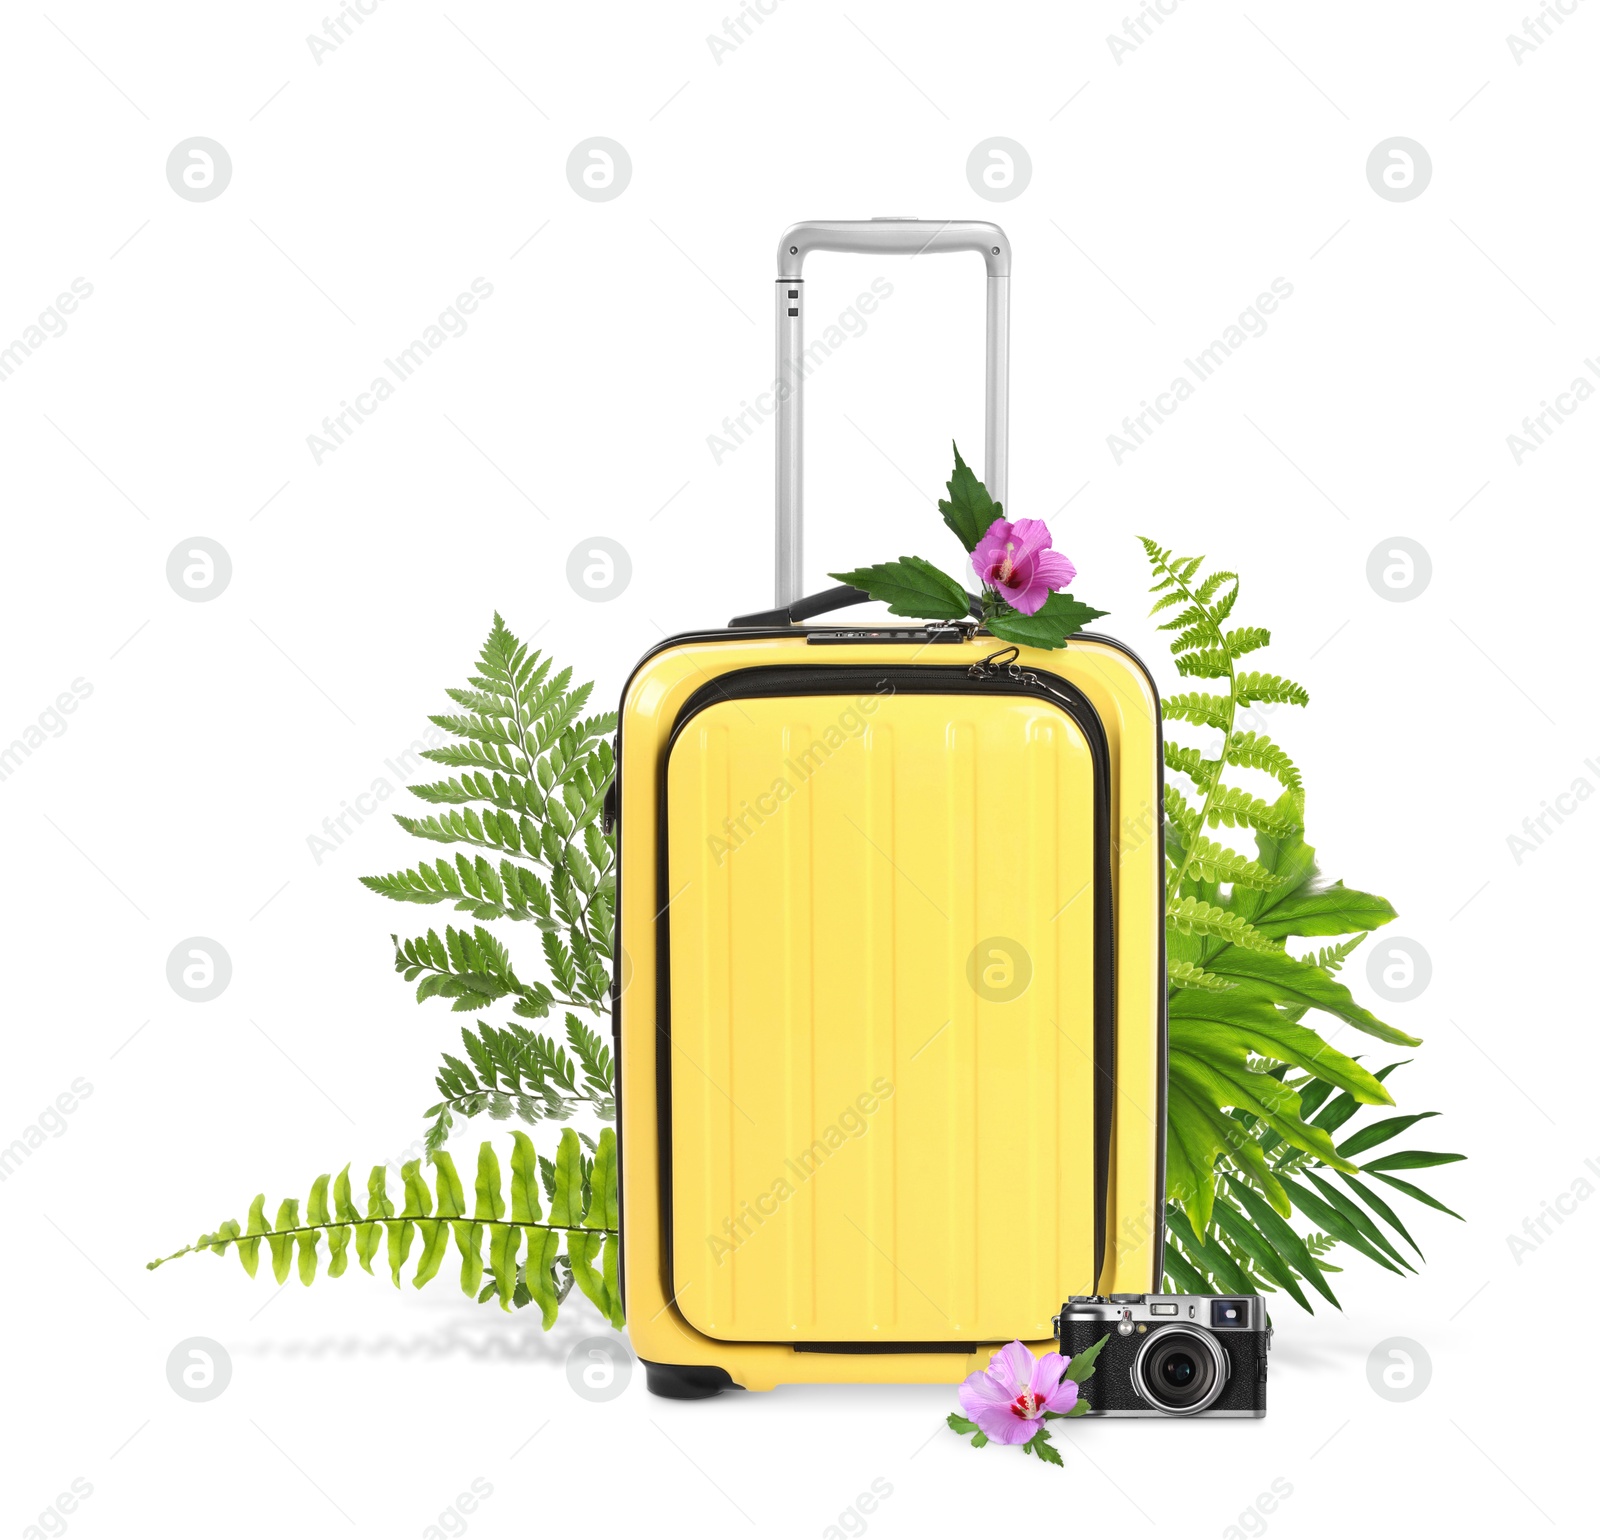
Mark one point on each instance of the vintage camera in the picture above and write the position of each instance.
(1171, 1355)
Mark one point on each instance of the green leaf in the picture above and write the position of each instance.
(1255, 1245)
(1409, 1160)
(960, 1424)
(566, 1201)
(1323, 1213)
(1377, 1133)
(1082, 1364)
(434, 1234)
(1275, 976)
(602, 1212)
(1332, 910)
(1210, 1024)
(583, 1249)
(542, 1248)
(1040, 1445)
(1059, 617)
(1250, 688)
(970, 510)
(281, 1246)
(1237, 809)
(1203, 708)
(1208, 1255)
(1192, 916)
(400, 1231)
(1256, 751)
(1282, 1239)
(1418, 1195)
(255, 1227)
(1415, 1192)
(910, 586)
(1213, 862)
(1183, 1274)
(1358, 1216)
(525, 1205)
(1380, 1207)
(611, 1270)
(1194, 1140)
(1188, 975)
(306, 1242)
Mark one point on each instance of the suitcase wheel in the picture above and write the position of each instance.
(685, 1382)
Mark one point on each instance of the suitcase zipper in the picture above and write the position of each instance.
(999, 669)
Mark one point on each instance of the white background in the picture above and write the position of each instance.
(1168, 189)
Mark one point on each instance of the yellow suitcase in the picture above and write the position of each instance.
(890, 999)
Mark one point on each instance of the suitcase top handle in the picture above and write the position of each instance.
(911, 237)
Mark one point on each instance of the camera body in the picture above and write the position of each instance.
(1171, 1355)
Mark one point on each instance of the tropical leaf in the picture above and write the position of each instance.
(1249, 1143)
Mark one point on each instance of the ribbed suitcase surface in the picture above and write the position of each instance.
(882, 947)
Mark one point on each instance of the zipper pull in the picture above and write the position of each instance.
(987, 668)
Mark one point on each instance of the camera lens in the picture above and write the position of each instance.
(1180, 1369)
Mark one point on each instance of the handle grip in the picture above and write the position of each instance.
(910, 237)
(906, 236)
(829, 599)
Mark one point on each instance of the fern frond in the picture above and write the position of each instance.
(472, 969)
(1207, 663)
(1190, 762)
(1192, 916)
(1183, 817)
(1188, 975)
(505, 1219)
(1239, 810)
(514, 793)
(1256, 751)
(1208, 589)
(514, 1070)
(1200, 707)
(1269, 688)
(1246, 639)
(1216, 863)
(1332, 958)
(508, 891)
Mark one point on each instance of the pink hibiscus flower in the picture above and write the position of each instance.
(1008, 1400)
(1016, 561)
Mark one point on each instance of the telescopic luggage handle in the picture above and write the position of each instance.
(912, 237)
